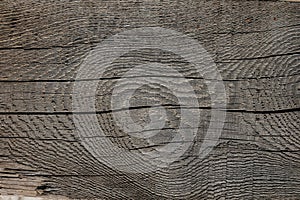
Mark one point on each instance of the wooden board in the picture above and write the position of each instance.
(255, 46)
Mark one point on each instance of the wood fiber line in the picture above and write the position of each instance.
(219, 171)
(225, 30)
(252, 95)
(255, 45)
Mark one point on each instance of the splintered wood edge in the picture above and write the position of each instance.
(19, 197)
(13, 173)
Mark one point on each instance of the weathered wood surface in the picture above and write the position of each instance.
(255, 45)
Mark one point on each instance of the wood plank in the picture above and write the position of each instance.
(255, 45)
(249, 95)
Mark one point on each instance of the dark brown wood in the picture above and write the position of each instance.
(255, 45)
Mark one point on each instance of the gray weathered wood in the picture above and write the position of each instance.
(255, 45)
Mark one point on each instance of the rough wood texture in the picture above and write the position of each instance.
(255, 45)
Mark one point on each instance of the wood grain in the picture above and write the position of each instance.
(255, 45)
